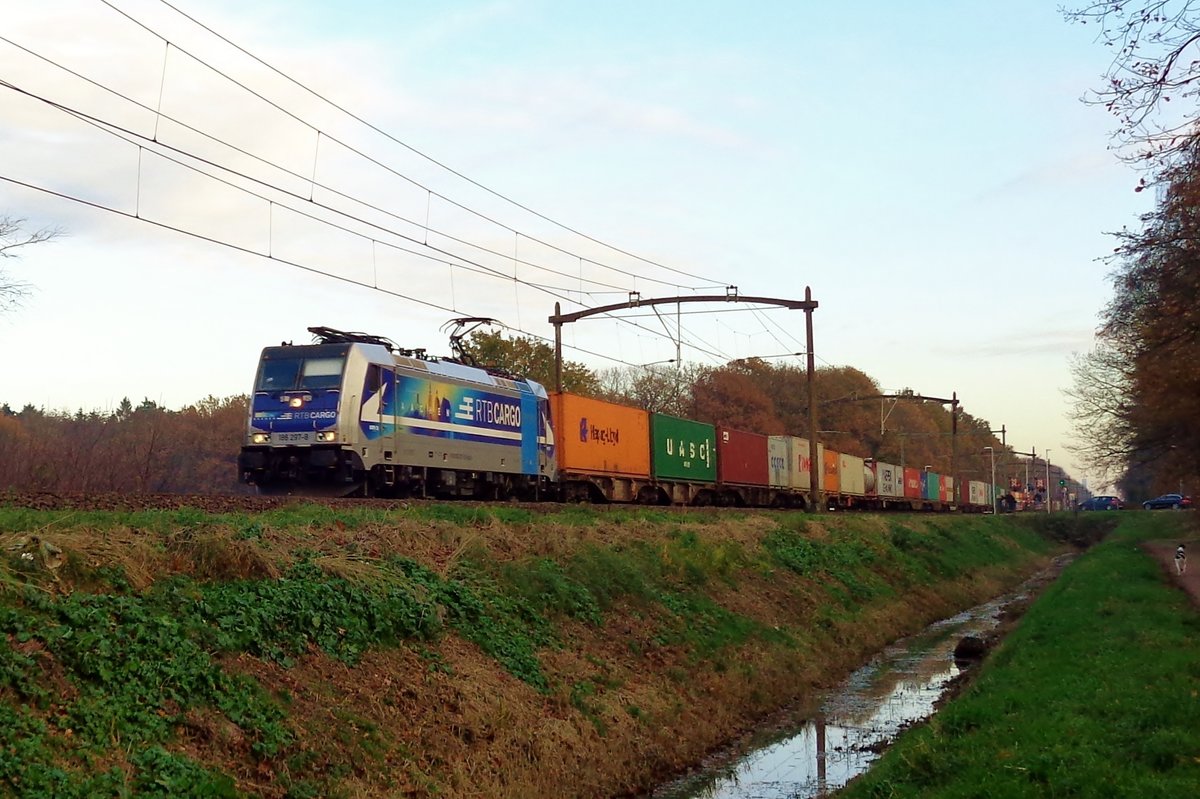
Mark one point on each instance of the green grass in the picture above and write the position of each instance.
(1093, 695)
(129, 664)
(307, 515)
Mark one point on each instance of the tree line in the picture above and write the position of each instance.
(133, 449)
(149, 448)
(1136, 394)
(757, 395)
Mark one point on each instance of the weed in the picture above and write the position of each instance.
(582, 699)
(170, 776)
(703, 626)
(544, 585)
(251, 531)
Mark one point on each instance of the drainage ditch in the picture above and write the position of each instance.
(856, 721)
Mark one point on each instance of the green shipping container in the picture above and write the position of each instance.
(683, 449)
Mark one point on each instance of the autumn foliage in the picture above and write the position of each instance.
(1137, 394)
(755, 395)
(144, 448)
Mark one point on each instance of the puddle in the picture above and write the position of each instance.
(856, 721)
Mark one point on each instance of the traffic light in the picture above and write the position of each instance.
(1062, 483)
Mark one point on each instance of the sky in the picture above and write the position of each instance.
(927, 169)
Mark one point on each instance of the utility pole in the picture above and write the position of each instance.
(991, 452)
(1002, 433)
(952, 402)
(1048, 494)
(816, 469)
(1032, 454)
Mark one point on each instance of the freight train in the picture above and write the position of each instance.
(356, 415)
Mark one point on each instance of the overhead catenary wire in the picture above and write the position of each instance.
(389, 169)
(454, 258)
(142, 148)
(143, 145)
(612, 288)
(284, 261)
(770, 332)
(798, 342)
(712, 283)
(146, 145)
(554, 291)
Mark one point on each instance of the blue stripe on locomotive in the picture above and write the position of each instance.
(274, 414)
(529, 433)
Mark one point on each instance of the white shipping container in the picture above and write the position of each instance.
(779, 460)
(851, 467)
(801, 476)
(977, 492)
(889, 480)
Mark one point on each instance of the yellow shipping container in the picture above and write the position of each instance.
(597, 437)
(830, 477)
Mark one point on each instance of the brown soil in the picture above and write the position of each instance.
(253, 503)
(441, 718)
(1164, 553)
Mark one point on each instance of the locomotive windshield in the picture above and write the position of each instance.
(289, 374)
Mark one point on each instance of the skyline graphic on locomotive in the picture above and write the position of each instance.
(355, 414)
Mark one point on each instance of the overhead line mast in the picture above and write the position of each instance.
(808, 305)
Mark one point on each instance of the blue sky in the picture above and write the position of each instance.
(927, 168)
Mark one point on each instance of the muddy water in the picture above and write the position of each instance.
(856, 720)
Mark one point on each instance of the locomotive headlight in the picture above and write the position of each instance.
(261, 438)
(296, 402)
(327, 436)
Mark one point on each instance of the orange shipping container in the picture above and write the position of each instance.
(830, 478)
(597, 437)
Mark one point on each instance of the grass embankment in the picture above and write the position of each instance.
(1096, 694)
(445, 650)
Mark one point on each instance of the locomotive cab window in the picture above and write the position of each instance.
(279, 374)
(321, 373)
(289, 374)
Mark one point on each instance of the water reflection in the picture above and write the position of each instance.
(896, 689)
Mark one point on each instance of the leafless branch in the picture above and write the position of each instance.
(1155, 47)
(13, 238)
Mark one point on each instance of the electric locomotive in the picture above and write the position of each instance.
(353, 414)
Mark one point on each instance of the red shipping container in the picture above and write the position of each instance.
(912, 483)
(742, 457)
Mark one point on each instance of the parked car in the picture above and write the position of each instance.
(1102, 503)
(1172, 501)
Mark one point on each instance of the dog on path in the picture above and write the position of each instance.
(1180, 560)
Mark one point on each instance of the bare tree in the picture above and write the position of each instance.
(1155, 47)
(12, 238)
(656, 388)
(1101, 410)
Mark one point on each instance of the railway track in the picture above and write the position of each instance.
(253, 503)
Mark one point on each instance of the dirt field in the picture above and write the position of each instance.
(1164, 552)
